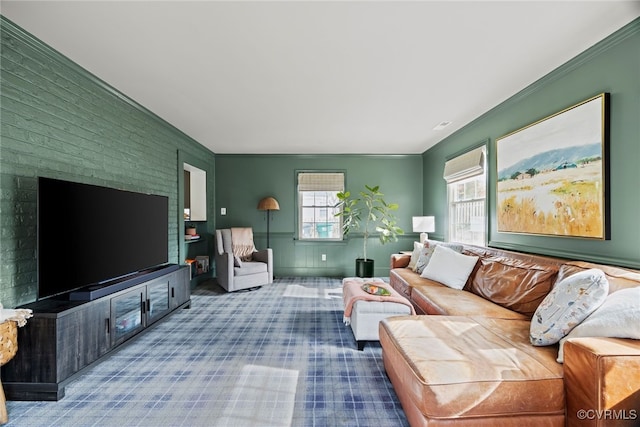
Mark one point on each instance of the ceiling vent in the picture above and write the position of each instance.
(441, 125)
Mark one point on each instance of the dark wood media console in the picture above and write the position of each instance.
(65, 336)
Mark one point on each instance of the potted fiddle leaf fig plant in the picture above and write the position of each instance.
(368, 212)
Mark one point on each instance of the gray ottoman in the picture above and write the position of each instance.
(366, 315)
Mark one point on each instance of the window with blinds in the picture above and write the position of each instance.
(467, 194)
(317, 200)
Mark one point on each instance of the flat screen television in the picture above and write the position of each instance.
(90, 235)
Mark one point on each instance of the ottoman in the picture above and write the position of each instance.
(366, 315)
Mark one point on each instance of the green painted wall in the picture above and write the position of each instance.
(613, 66)
(59, 121)
(242, 180)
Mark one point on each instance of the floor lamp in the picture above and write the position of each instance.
(268, 204)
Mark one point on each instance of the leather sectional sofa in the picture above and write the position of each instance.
(466, 359)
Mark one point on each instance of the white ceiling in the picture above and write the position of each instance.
(320, 77)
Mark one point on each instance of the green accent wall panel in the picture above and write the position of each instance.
(59, 121)
(242, 180)
(612, 66)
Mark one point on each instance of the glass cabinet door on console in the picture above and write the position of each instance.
(128, 314)
(158, 298)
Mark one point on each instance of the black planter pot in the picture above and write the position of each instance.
(364, 267)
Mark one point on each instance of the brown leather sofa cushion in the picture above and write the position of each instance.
(619, 278)
(435, 298)
(517, 284)
(455, 367)
(401, 279)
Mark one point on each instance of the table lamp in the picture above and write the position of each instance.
(424, 225)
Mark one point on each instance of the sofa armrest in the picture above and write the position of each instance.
(400, 260)
(602, 381)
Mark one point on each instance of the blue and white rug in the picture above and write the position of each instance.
(276, 356)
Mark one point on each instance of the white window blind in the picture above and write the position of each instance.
(465, 166)
(316, 181)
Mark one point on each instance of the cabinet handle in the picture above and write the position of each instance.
(108, 324)
(173, 292)
(143, 306)
(149, 305)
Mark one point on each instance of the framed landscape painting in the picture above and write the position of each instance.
(552, 175)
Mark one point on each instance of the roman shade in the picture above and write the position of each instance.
(321, 181)
(464, 166)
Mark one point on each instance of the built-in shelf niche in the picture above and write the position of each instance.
(195, 193)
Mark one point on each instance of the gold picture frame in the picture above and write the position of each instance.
(552, 175)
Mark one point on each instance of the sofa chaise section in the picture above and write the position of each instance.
(501, 381)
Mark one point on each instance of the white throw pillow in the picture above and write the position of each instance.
(449, 267)
(568, 304)
(427, 251)
(617, 317)
(417, 248)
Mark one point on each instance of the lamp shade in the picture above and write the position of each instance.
(424, 224)
(268, 204)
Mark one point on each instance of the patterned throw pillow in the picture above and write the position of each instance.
(373, 289)
(568, 304)
(427, 253)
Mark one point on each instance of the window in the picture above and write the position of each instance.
(467, 194)
(317, 200)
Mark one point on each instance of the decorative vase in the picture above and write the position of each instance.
(364, 267)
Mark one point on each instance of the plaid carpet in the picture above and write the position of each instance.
(276, 356)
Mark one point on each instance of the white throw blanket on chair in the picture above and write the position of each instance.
(242, 243)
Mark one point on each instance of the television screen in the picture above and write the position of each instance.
(89, 235)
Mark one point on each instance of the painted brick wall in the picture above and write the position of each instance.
(59, 121)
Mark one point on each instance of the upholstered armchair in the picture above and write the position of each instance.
(238, 264)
